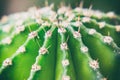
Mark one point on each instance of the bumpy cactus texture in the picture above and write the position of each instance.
(68, 44)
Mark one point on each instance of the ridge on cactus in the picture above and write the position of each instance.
(70, 44)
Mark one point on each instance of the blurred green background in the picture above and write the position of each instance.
(12, 6)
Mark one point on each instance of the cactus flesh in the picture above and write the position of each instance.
(70, 44)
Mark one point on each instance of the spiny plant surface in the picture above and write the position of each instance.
(70, 44)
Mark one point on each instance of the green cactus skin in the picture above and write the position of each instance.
(78, 44)
(82, 59)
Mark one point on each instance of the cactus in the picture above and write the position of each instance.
(70, 44)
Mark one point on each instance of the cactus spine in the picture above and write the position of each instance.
(42, 44)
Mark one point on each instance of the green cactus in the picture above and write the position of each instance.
(70, 44)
